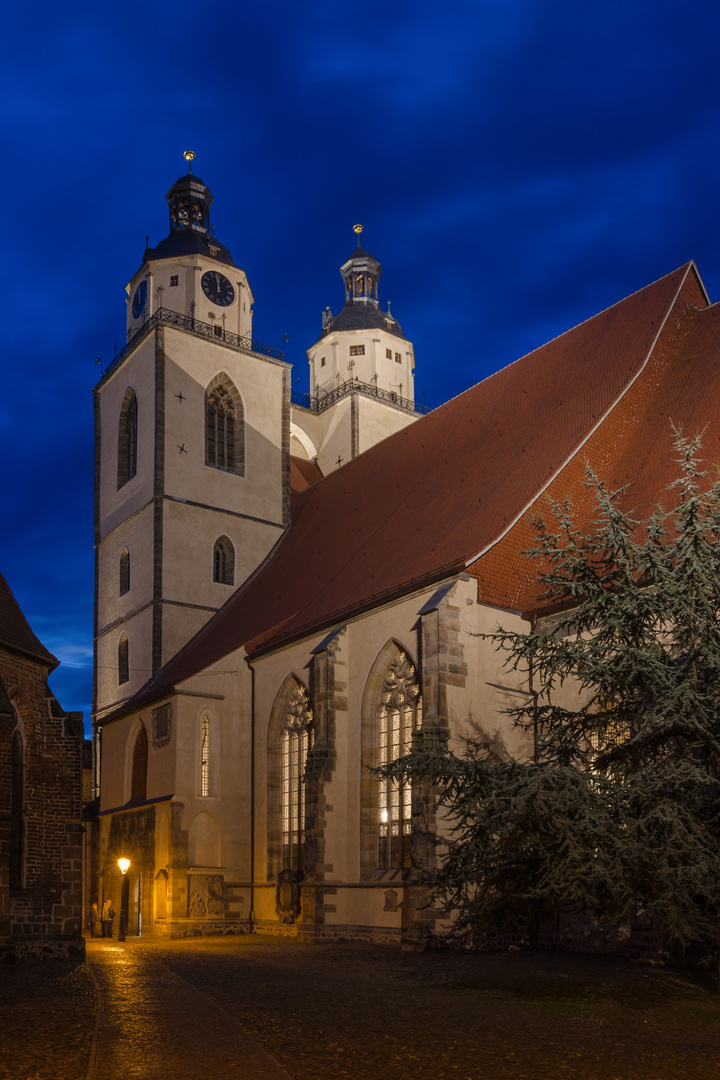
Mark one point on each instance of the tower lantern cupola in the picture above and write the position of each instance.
(361, 273)
(189, 201)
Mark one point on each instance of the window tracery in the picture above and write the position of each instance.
(398, 715)
(297, 740)
(224, 426)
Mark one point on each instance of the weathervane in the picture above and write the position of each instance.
(189, 155)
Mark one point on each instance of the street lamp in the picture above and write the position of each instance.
(124, 897)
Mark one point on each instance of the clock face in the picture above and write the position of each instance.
(139, 300)
(217, 288)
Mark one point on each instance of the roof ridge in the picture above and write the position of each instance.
(687, 267)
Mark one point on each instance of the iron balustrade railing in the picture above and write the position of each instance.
(315, 402)
(324, 398)
(213, 331)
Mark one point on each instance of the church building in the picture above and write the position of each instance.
(291, 588)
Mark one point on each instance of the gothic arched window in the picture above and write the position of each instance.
(398, 715)
(17, 812)
(138, 784)
(224, 561)
(297, 739)
(123, 660)
(124, 572)
(224, 427)
(127, 438)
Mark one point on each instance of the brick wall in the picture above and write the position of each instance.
(44, 914)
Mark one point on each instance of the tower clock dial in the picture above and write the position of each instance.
(217, 288)
(139, 300)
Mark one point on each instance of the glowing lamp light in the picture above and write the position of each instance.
(124, 864)
(384, 816)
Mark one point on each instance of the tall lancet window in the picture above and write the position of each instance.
(124, 572)
(123, 660)
(297, 738)
(17, 812)
(224, 561)
(138, 782)
(398, 715)
(127, 438)
(205, 755)
(224, 427)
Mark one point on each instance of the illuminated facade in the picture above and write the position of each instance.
(305, 581)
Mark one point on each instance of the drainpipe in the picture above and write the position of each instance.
(251, 914)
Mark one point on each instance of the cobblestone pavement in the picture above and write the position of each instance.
(353, 1012)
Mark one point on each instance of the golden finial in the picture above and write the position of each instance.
(189, 155)
(357, 229)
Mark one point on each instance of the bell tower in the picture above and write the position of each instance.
(191, 450)
(362, 372)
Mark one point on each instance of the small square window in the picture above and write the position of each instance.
(357, 350)
(398, 358)
(322, 361)
(173, 280)
(388, 353)
(213, 253)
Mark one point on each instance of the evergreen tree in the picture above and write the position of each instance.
(620, 810)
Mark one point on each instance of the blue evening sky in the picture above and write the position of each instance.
(517, 165)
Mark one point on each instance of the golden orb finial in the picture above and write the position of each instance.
(189, 155)
(357, 229)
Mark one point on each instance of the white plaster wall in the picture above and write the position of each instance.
(189, 270)
(335, 348)
(137, 535)
(378, 419)
(137, 371)
(139, 632)
(191, 363)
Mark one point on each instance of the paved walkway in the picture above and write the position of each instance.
(154, 1025)
(271, 1008)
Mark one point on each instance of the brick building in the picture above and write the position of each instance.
(40, 799)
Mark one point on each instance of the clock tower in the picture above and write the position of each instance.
(192, 450)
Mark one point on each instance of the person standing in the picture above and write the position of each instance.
(108, 914)
(93, 920)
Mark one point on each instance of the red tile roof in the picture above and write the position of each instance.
(424, 503)
(15, 632)
(303, 474)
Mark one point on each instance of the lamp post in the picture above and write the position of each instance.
(124, 897)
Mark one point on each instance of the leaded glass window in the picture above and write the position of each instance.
(297, 739)
(398, 715)
(205, 755)
(127, 438)
(220, 430)
(224, 561)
